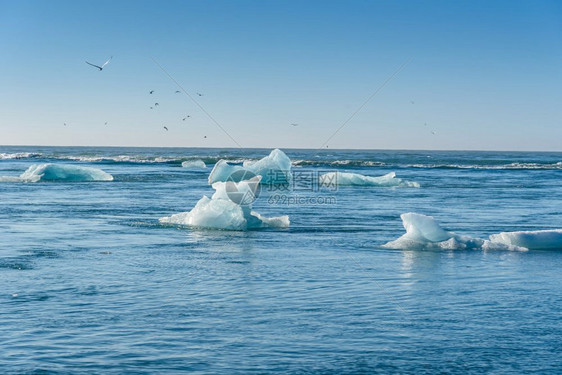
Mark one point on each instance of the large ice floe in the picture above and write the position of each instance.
(533, 240)
(60, 172)
(423, 232)
(274, 169)
(355, 179)
(229, 209)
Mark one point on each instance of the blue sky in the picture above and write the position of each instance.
(482, 75)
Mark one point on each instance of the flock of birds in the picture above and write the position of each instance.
(151, 92)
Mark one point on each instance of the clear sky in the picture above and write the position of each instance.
(483, 74)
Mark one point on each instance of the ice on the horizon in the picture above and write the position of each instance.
(60, 172)
(274, 169)
(193, 164)
(220, 212)
(423, 233)
(356, 179)
(533, 240)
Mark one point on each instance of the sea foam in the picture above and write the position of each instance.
(59, 172)
(356, 179)
(274, 169)
(220, 212)
(423, 233)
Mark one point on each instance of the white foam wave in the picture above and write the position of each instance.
(18, 155)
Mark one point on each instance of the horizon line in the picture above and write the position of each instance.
(291, 148)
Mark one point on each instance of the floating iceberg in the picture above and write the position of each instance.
(535, 240)
(423, 232)
(355, 179)
(193, 164)
(60, 172)
(274, 169)
(222, 211)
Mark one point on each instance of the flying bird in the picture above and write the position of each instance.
(156, 104)
(433, 132)
(100, 67)
(151, 92)
(205, 137)
(165, 128)
(106, 123)
(178, 92)
(186, 117)
(199, 94)
(65, 124)
(293, 124)
(411, 101)
(151, 107)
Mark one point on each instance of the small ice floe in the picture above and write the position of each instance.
(423, 232)
(194, 164)
(533, 240)
(274, 169)
(229, 209)
(356, 179)
(59, 172)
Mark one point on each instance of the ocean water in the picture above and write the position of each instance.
(91, 282)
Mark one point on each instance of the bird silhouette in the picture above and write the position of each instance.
(100, 67)
(199, 94)
(165, 128)
(178, 92)
(151, 92)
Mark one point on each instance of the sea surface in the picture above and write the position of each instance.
(91, 282)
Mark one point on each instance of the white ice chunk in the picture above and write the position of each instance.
(193, 164)
(60, 172)
(223, 171)
(423, 232)
(539, 239)
(222, 210)
(356, 179)
(274, 169)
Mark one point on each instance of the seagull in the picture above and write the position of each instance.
(433, 132)
(151, 92)
(65, 124)
(199, 94)
(293, 124)
(106, 123)
(166, 128)
(156, 104)
(151, 107)
(425, 124)
(205, 137)
(186, 117)
(178, 92)
(100, 67)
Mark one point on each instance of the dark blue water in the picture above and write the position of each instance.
(91, 282)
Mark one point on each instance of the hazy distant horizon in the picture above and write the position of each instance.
(283, 148)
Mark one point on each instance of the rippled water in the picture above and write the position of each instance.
(91, 282)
